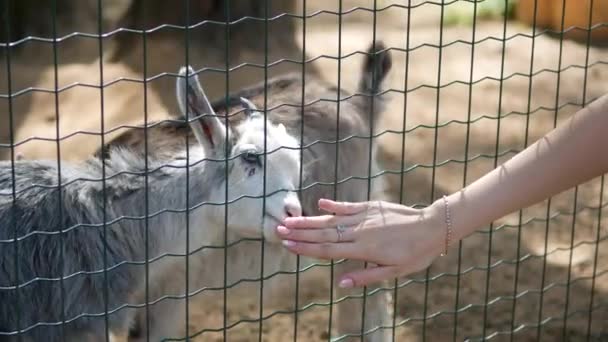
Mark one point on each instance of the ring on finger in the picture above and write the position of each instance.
(340, 230)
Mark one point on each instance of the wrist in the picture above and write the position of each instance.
(445, 213)
(463, 222)
(441, 212)
(440, 222)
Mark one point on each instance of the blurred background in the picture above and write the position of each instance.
(472, 83)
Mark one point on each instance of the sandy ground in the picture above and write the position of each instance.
(534, 274)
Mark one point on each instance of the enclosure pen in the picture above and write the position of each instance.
(576, 189)
(227, 104)
(371, 154)
(465, 164)
(106, 292)
(263, 245)
(126, 226)
(521, 212)
(556, 103)
(601, 196)
(296, 303)
(432, 194)
(595, 257)
(59, 185)
(402, 197)
(495, 164)
(338, 100)
(187, 211)
(13, 219)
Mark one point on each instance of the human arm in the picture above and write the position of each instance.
(573, 153)
(402, 240)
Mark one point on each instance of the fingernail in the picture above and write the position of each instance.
(288, 243)
(346, 283)
(283, 230)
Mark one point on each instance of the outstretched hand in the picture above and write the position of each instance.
(402, 240)
(399, 239)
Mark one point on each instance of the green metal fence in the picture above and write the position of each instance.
(535, 275)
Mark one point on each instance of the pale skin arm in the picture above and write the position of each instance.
(402, 240)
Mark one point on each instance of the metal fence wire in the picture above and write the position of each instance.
(138, 197)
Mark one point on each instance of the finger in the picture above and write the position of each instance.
(316, 235)
(368, 276)
(343, 208)
(326, 250)
(310, 222)
(316, 222)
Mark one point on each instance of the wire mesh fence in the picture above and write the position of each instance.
(139, 204)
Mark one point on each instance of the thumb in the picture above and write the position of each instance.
(342, 208)
(368, 276)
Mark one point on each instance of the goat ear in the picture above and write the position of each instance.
(250, 109)
(377, 65)
(209, 130)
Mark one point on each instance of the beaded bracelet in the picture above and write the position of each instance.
(448, 221)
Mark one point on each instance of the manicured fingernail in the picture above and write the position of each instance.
(346, 283)
(283, 230)
(288, 243)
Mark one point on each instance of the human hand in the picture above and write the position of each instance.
(399, 239)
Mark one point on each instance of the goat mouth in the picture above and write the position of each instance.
(269, 215)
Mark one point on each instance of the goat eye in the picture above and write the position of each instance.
(251, 158)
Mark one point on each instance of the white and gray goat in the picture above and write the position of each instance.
(330, 170)
(69, 253)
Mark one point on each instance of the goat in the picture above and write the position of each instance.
(69, 252)
(323, 126)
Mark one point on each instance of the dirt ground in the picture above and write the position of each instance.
(534, 273)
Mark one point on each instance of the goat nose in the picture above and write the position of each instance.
(293, 210)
